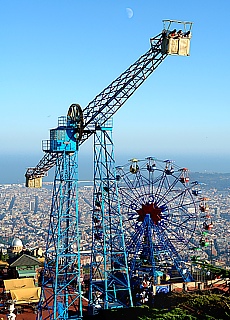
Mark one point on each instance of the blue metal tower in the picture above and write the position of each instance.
(109, 276)
(61, 286)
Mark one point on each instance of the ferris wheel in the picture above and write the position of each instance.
(161, 213)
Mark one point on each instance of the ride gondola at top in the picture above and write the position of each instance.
(176, 41)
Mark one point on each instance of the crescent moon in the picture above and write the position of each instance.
(129, 12)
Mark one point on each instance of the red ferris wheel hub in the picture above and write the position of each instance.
(152, 210)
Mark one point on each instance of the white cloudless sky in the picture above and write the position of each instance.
(55, 53)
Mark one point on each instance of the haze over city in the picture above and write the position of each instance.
(58, 53)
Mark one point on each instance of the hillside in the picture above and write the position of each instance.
(204, 305)
(219, 181)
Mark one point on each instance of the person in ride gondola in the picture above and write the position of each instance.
(173, 33)
(180, 34)
(187, 34)
(164, 34)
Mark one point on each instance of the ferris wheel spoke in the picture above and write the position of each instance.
(183, 225)
(178, 195)
(169, 188)
(163, 183)
(133, 181)
(180, 240)
(176, 218)
(132, 216)
(183, 206)
(130, 199)
(134, 196)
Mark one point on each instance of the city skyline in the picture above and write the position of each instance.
(25, 213)
(58, 53)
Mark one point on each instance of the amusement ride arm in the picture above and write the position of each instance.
(106, 104)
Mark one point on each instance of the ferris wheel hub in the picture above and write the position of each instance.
(153, 210)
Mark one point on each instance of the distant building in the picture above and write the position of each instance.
(217, 212)
(32, 205)
(25, 266)
(16, 246)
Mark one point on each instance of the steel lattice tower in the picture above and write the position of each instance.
(109, 278)
(61, 286)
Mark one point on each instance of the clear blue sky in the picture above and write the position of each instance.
(55, 53)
